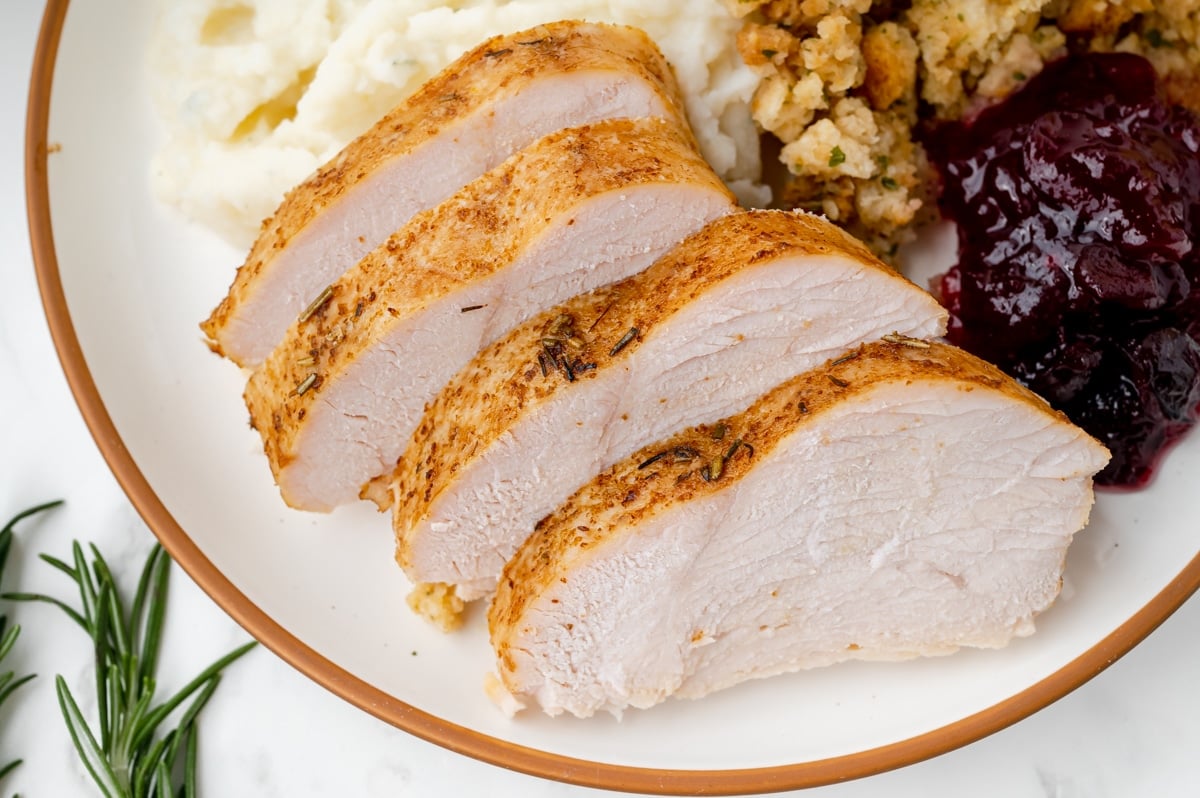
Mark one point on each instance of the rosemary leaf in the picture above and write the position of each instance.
(6, 643)
(163, 780)
(75, 616)
(21, 516)
(156, 716)
(188, 720)
(189, 762)
(105, 688)
(60, 565)
(112, 694)
(147, 765)
(9, 681)
(87, 590)
(128, 742)
(110, 607)
(12, 684)
(85, 743)
(154, 579)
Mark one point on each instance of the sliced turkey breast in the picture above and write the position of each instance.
(337, 401)
(750, 300)
(907, 499)
(492, 102)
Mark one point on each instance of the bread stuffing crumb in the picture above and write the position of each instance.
(437, 603)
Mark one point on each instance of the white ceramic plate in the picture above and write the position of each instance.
(125, 283)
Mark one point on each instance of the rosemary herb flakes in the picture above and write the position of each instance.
(307, 384)
(716, 469)
(904, 340)
(651, 461)
(624, 342)
(316, 305)
(677, 455)
(558, 338)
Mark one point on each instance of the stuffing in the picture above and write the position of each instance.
(846, 85)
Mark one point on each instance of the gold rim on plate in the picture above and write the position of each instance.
(422, 724)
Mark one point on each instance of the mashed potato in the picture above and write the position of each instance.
(256, 94)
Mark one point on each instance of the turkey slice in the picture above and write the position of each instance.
(907, 500)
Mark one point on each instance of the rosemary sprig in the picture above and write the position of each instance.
(128, 758)
(9, 681)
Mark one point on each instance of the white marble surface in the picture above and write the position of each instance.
(1132, 731)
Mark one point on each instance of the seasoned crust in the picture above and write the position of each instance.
(501, 65)
(673, 471)
(598, 330)
(465, 238)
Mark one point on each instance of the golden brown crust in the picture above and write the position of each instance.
(589, 333)
(466, 238)
(495, 68)
(672, 471)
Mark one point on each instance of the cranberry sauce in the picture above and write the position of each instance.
(1077, 202)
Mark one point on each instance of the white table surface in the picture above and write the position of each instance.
(1132, 731)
